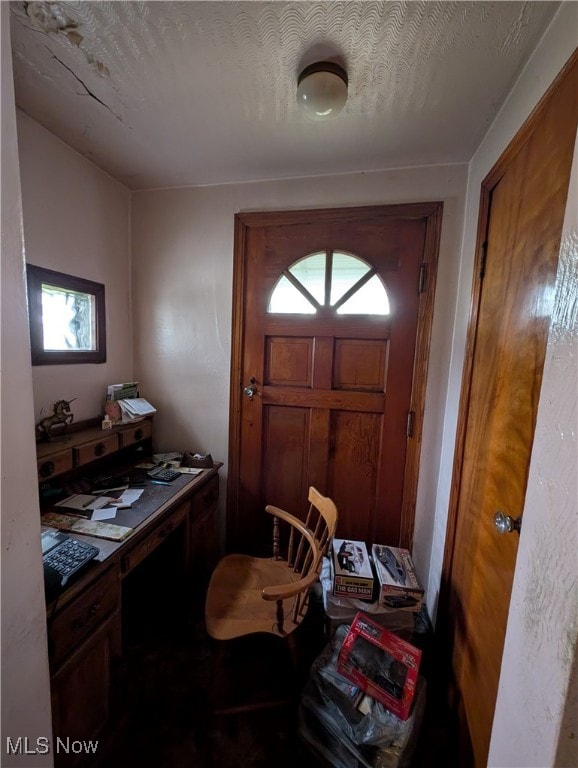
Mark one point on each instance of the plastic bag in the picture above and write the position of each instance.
(329, 720)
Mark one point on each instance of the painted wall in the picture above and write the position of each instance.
(182, 252)
(25, 686)
(76, 220)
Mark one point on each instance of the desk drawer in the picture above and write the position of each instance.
(83, 615)
(154, 538)
(54, 465)
(95, 449)
(135, 434)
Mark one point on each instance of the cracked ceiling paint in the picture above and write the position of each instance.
(164, 94)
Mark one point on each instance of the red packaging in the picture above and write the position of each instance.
(381, 664)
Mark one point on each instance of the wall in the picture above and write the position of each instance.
(25, 687)
(535, 717)
(550, 55)
(76, 220)
(182, 246)
(544, 610)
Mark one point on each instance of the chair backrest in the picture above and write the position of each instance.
(307, 542)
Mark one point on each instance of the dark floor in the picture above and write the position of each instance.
(172, 687)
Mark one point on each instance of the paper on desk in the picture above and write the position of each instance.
(106, 513)
(84, 502)
(130, 495)
(125, 500)
(135, 408)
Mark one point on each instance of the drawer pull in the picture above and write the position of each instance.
(99, 449)
(138, 435)
(90, 614)
(46, 469)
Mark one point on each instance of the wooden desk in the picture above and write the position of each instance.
(85, 622)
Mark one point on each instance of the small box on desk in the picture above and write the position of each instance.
(352, 574)
(381, 664)
(399, 587)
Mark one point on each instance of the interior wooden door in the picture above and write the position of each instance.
(322, 386)
(523, 203)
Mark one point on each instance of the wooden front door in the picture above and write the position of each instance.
(331, 326)
(523, 204)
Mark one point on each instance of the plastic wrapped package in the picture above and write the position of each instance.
(332, 727)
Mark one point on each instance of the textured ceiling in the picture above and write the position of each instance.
(186, 93)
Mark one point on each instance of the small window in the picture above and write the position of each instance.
(67, 318)
(332, 279)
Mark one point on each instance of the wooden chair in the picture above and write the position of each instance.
(249, 595)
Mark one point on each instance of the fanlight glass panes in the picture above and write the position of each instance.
(68, 319)
(310, 272)
(345, 272)
(287, 299)
(370, 299)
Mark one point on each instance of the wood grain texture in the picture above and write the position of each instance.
(249, 595)
(523, 203)
(357, 373)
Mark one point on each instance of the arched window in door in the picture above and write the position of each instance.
(333, 279)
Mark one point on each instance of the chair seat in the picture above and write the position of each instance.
(235, 605)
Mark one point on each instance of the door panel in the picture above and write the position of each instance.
(285, 454)
(289, 361)
(360, 364)
(523, 204)
(353, 469)
(332, 390)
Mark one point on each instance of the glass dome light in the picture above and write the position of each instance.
(322, 90)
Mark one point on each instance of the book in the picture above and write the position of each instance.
(89, 527)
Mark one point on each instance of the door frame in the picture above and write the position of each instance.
(443, 632)
(244, 222)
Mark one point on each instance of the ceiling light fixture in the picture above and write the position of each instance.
(322, 90)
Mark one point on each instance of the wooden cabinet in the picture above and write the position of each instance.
(204, 538)
(78, 449)
(85, 693)
(135, 433)
(139, 551)
(71, 625)
(86, 626)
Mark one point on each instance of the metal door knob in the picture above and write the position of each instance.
(251, 390)
(506, 524)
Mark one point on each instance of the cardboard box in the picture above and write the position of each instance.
(399, 588)
(352, 574)
(381, 664)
